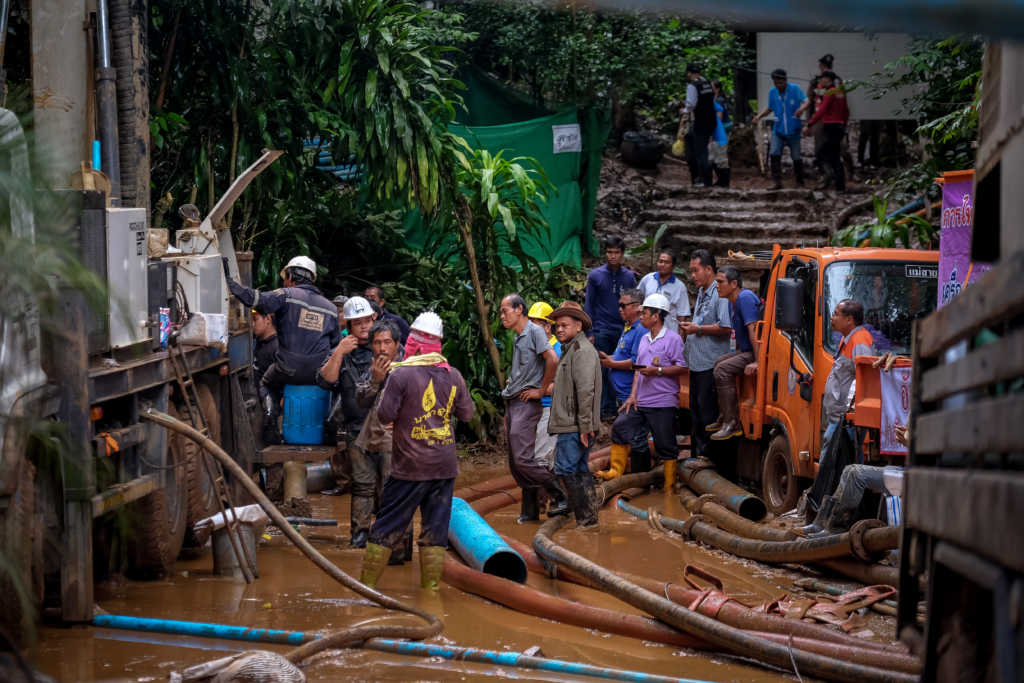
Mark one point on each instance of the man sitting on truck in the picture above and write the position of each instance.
(847, 320)
(307, 329)
(745, 311)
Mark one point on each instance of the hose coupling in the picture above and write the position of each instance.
(857, 533)
(687, 528)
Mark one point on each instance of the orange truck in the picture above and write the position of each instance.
(781, 405)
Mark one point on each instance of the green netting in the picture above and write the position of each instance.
(497, 119)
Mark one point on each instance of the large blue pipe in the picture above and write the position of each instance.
(480, 546)
(403, 647)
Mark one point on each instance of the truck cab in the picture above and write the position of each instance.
(780, 405)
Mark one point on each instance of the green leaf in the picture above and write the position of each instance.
(384, 60)
(371, 88)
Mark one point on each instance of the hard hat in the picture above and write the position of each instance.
(656, 301)
(303, 262)
(428, 322)
(356, 307)
(542, 310)
(339, 300)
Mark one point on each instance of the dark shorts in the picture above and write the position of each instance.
(398, 504)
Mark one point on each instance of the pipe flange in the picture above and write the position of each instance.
(687, 530)
(698, 464)
(857, 532)
(705, 498)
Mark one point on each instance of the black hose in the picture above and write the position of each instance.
(338, 639)
(727, 637)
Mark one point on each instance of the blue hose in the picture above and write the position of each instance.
(481, 547)
(403, 647)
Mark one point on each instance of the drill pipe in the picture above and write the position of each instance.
(728, 520)
(731, 496)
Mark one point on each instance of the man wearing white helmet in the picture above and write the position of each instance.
(651, 406)
(307, 328)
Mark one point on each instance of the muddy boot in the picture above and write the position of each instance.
(529, 510)
(375, 558)
(431, 566)
(817, 527)
(403, 553)
(559, 500)
(617, 462)
(798, 171)
(582, 498)
(776, 164)
(271, 432)
(362, 514)
(724, 174)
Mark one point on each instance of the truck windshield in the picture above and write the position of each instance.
(893, 294)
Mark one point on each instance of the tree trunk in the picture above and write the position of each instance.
(481, 305)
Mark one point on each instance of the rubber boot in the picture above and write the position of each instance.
(617, 463)
(375, 558)
(671, 467)
(724, 174)
(798, 171)
(403, 553)
(582, 498)
(361, 514)
(817, 527)
(776, 164)
(271, 433)
(431, 566)
(529, 510)
(559, 501)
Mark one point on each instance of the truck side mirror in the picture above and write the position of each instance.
(789, 297)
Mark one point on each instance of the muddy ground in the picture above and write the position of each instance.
(292, 594)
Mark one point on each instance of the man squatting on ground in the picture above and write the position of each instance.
(707, 339)
(544, 446)
(307, 329)
(745, 311)
(621, 373)
(652, 402)
(605, 284)
(532, 372)
(421, 398)
(576, 410)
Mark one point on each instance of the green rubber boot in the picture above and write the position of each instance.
(431, 565)
(374, 560)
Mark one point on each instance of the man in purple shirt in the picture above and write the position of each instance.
(605, 284)
(651, 405)
(420, 399)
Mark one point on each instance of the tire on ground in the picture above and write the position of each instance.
(20, 596)
(158, 520)
(202, 496)
(779, 484)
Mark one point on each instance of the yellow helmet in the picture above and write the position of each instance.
(542, 310)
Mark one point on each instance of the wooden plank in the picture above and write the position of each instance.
(271, 455)
(934, 503)
(995, 362)
(989, 425)
(119, 495)
(996, 296)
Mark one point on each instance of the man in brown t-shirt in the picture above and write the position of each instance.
(421, 397)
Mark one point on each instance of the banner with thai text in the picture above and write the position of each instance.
(956, 270)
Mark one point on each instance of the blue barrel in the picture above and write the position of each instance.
(480, 546)
(305, 409)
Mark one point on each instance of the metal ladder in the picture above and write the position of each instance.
(193, 410)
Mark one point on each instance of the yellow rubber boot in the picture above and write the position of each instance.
(431, 566)
(375, 558)
(670, 475)
(617, 464)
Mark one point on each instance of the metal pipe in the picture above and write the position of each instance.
(106, 102)
(311, 521)
(706, 480)
(294, 480)
(103, 34)
(480, 546)
(730, 521)
(868, 574)
(319, 477)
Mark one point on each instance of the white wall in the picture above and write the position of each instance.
(857, 57)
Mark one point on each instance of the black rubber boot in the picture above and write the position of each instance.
(271, 432)
(798, 171)
(362, 515)
(582, 497)
(559, 500)
(403, 553)
(821, 520)
(776, 167)
(530, 509)
(724, 174)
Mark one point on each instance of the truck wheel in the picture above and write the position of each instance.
(19, 592)
(159, 519)
(202, 496)
(779, 484)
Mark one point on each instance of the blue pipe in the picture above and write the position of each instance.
(403, 647)
(912, 206)
(480, 546)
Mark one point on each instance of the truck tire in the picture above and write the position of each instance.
(780, 486)
(20, 590)
(159, 519)
(202, 496)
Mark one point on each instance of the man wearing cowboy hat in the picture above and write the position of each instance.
(576, 409)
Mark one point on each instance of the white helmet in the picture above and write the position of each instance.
(303, 262)
(356, 307)
(656, 301)
(428, 322)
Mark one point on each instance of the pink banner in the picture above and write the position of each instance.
(956, 270)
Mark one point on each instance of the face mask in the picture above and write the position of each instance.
(419, 344)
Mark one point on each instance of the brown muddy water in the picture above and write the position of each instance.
(293, 594)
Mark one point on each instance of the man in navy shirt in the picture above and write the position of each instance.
(605, 284)
(745, 311)
(785, 100)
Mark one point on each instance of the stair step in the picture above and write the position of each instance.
(711, 214)
(726, 227)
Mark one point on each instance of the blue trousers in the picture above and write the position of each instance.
(571, 455)
(792, 141)
(398, 504)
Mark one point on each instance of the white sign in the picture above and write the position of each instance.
(567, 138)
(895, 408)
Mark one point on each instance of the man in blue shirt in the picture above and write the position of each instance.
(605, 284)
(745, 311)
(785, 100)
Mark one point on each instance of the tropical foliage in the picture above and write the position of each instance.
(908, 232)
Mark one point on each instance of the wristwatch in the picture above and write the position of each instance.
(659, 371)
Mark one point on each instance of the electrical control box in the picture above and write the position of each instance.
(127, 276)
